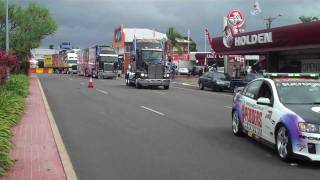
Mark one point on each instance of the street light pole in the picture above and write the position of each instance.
(7, 26)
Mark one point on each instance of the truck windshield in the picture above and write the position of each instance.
(72, 61)
(108, 59)
(151, 55)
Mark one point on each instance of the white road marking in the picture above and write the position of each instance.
(293, 164)
(104, 92)
(82, 83)
(228, 107)
(186, 84)
(203, 91)
(157, 92)
(149, 109)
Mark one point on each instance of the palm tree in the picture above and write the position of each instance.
(172, 36)
(305, 19)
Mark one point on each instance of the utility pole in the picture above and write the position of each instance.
(7, 27)
(270, 19)
(188, 41)
(205, 48)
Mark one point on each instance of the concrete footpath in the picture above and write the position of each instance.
(39, 151)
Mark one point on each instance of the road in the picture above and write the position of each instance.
(117, 132)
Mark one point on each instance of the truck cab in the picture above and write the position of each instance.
(106, 64)
(72, 61)
(147, 68)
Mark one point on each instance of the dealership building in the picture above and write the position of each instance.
(293, 48)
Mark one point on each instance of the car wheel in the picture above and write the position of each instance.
(166, 87)
(201, 86)
(236, 125)
(283, 143)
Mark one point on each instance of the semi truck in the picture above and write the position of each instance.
(56, 62)
(71, 58)
(98, 62)
(147, 65)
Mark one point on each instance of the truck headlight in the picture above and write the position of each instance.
(167, 75)
(143, 75)
(308, 127)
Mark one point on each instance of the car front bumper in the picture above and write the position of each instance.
(307, 146)
(154, 82)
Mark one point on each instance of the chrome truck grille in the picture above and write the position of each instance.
(108, 67)
(155, 71)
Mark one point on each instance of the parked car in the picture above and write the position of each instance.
(236, 83)
(183, 71)
(216, 81)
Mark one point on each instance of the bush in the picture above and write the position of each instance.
(12, 104)
(17, 84)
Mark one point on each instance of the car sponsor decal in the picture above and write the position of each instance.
(252, 119)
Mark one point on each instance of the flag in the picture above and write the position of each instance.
(134, 44)
(256, 8)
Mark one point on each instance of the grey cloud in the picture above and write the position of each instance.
(86, 22)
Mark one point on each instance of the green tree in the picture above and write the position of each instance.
(305, 19)
(28, 26)
(173, 35)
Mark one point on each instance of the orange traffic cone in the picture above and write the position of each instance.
(90, 84)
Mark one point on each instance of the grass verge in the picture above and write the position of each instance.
(12, 103)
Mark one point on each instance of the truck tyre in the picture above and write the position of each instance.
(138, 86)
(166, 87)
(201, 86)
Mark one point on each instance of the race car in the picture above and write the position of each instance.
(282, 110)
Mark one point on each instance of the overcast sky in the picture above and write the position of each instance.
(87, 22)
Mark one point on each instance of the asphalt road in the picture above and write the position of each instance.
(116, 132)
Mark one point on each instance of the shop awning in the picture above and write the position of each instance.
(293, 37)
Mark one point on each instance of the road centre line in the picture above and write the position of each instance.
(149, 109)
(203, 91)
(157, 92)
(103, 92)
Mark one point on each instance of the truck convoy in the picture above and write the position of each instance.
(98, 62)
(147, 65)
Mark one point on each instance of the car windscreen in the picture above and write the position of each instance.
(222, 76)
(109, 59)
(299, 92)
(251, 77)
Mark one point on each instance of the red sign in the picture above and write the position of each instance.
(175, 56)
(236, 20)
(298, 36)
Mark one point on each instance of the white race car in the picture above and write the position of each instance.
(282, 110)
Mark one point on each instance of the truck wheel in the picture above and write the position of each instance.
(166, 87)
(201, 86)
(138, 86)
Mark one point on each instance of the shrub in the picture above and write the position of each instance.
(12, 104)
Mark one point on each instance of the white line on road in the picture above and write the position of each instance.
(157, 92)
(104, 92)
(82, 83)
(149, 109)
(228, 107)
(220, 94)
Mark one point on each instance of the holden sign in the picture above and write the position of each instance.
(236, 21)
(261, 38)
(227, 37)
